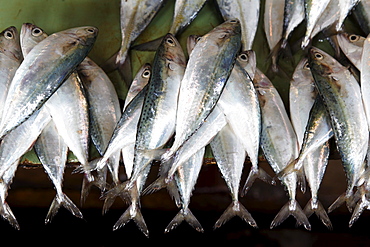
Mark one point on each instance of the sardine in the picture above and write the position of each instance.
(41, 73)
(10, 59)
(229, 153)
(279, 145)
(208, 69)
(341, 95)
(247, 12)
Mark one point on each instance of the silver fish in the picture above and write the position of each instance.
(345, 7)
(279, 145)
(247, 12)
(352, 46)
(361, 13)
(365, 85)
(314, 9)
(10, 59)
(204, 79)
(230, 155)
(135, 17)
(341, 95)
(294, 14)
(64, 50)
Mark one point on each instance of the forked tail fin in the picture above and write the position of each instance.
(253, 175)
(132, 213)
(8, 215)
(362, 204)
(235, 209)
(64, 201)
(317, 208)
(291, 208)
(184, 215)
(344, 198)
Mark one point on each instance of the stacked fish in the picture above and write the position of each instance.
(56, 99)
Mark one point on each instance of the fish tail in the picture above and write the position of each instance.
(360, 207)
(66, 202)
(120, 62)
(347, 198)
(158, 184)
(148, 46)
(315, 206)
(292, 166)
(291, 208)
(235, 209)
(132, 213)
(301, 180)
(256, 172)
(110, 196)
(8, 215)
(184, 215)
(274, 55)
(87, 182)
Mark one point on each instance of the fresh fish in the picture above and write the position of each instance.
(279, 145)
(10, 59)
(365, 84)
(52, 152)
(247, 12)
(230, 156)
(362, 15)
(135, 17)
(352, 46)
(157, 121)
(29, 90)
(184, 13)
(294, 14)
(314, 9)
(103, 117)
(239, 102)
(186, 177)
(341, 95)
(345, 6)
(305, 120)
(208, 69)
(139, 82)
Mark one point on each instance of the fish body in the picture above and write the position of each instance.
(341, 95)
(208, 69)
(273, 21)
(294, 14)
(35, 80)
(279, 145)
(345, 7)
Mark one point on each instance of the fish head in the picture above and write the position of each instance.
(9, 43)
(191, 41)
(247, 60)
(30, 36)
(322, 63)
(141, 79)
(230, 29)
(171, 50)
(85, 36)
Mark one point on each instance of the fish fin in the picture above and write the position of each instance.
(256, 172)
(275, 54)
(301, 180)
(291, 208)
(360, 207)
(337, 203)
(174, 192)
(115, 62)
(91, 166)
(132, 213)
(148, 46)
(87, 183)
(110, 65)
(8, 215)
(62, 200)
(289, 168)
(235, 209)
(158, 184)
(184, 215)
(110, 196)
(315, 206)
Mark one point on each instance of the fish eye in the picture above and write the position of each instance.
(198, 38)
(243, 57)
(234, 21)
(146, 73)
(353, 37)
(318, 56)
(306, 66)
(170, 41)
(36, 32)
(90, 30)
(8, 35)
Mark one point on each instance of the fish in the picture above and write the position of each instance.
(230, 156)
(157, 120)
(10, 59)
(103, 117)
(352, 46)
(185, 178)
(313, 9)
(247, 12)
(208, 69)
(279, 145)
(345, 6)
(361, 14)
(294, 14)
(64, 50)
(341, 95)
